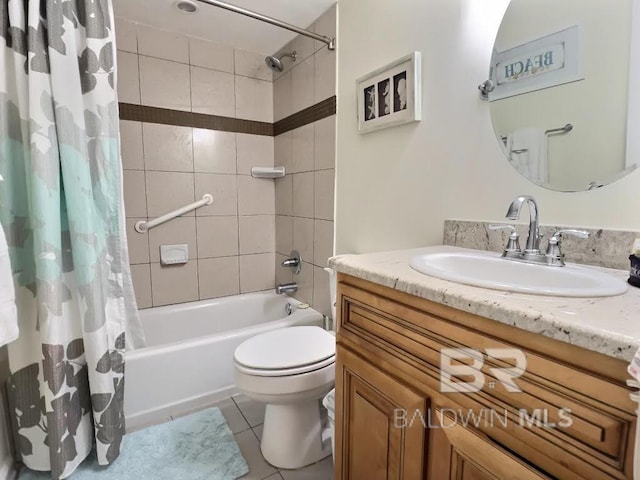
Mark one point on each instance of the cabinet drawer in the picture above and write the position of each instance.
(595, 414)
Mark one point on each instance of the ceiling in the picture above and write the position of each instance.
(224, 27)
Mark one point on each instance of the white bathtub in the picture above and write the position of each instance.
(188, 363)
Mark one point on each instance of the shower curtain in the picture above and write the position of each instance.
(61, 208)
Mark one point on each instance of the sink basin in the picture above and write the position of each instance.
(489, 270)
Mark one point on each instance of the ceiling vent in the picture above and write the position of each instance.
(187, 6)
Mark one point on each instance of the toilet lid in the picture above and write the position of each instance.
(286, 348)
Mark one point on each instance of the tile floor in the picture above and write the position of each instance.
(245, 417)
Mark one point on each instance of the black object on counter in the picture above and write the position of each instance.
(634, 278)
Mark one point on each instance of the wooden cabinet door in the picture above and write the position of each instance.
(460, 453)
(380, 432)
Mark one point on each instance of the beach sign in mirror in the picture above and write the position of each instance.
(542, 63)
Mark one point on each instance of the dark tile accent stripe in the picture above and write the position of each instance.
(316, 112)
(142, 113)
(165, 116)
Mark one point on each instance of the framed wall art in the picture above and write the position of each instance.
(390, 95)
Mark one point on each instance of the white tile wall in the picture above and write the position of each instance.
(254, 151)
(257, 234)
(167, 147)
(159, 184)
(164, 83)
(284, 195)
(135, 198)
(162, 44)
(178, 231)
(257, 272)
(282, 105)
(325, 143)
(217, 236)
(214, 151)
(235, 238)
(303, 237)
(302, 85)
(304, 197)
(231, 242)
(174, 283)
(141, 276)
(254, 99)
(224, 189)
(132, 156)
(302, 149)
(210, 55)
(256, 196)
(126, 38)
(323, 191)
(219, 277)
(128, 77)
(303, 194)
(212, 92)
(250, 64)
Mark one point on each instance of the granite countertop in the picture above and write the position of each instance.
(609, 325)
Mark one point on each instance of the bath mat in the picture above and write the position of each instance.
(196, 447)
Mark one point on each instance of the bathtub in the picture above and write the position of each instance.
(188, 361)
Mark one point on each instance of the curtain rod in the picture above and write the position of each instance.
(331, 42)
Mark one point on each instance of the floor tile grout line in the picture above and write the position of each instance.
(242, 413)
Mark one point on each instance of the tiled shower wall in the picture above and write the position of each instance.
(232, 242)
(304, 197)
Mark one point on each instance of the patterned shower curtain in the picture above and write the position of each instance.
(62, 212)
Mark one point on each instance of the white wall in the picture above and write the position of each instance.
(395, 187)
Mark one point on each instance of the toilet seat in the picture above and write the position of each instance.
(263, 372)
(286, 351)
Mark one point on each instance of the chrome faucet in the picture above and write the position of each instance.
(533, 241)
(287, 288)
(531, 254)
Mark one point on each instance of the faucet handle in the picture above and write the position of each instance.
(553, 249)
(513, 245)
(576, 233)
(500, 226)
(294, 262)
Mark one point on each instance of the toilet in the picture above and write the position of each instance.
(291, 370)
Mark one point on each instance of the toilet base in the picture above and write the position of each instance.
(292, 435)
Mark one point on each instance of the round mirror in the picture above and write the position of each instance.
(560, 102)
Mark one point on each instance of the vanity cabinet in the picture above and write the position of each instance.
(571, 419)
(376, 450)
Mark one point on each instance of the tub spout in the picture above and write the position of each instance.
(287, 288)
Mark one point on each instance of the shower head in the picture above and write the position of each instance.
(275, 63)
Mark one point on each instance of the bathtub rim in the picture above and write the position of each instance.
(197, 341)
(227, 335)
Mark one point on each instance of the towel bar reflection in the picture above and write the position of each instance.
(143, 226)
(566, 129)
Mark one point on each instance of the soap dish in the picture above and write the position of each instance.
(634, 272)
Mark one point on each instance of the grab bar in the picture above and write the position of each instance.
(143, 226)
